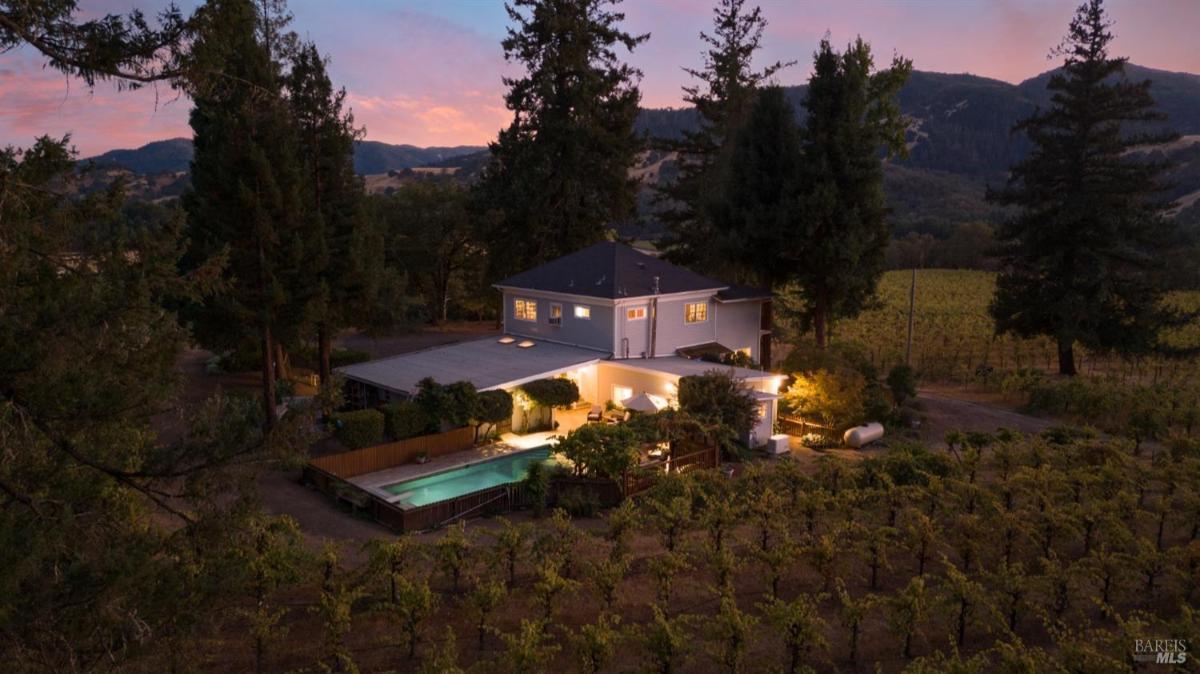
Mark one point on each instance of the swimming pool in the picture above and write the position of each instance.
(467, 479)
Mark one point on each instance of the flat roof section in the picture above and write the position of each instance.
(683, 367)
(486, 363)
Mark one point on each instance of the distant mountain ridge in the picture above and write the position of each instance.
(370, 156)
(959, 141)
(962, 123)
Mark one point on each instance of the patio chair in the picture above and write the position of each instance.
(595, 414)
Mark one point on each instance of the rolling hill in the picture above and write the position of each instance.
(175, 155)
(959, 141)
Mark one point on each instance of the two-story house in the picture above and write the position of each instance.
(619, 322)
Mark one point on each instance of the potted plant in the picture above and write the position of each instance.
(423, 457)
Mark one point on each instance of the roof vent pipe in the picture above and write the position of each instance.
(654, 320)
(654, 288)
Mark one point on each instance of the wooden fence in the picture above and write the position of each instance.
(381, 457)
(800, 428)
(644, 476)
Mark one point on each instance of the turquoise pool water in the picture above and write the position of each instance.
(459, 481)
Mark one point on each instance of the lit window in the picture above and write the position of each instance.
(583, 312)
(635, 314)
(621, 393)
(555, 314)
(696, 312)
(525, 310)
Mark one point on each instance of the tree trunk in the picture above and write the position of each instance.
(1066, 356)
(281, 362)
(324, 351)
(820, 316)
(268, 376)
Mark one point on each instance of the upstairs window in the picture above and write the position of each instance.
(583, 312)
(555, 314)
(695, 312)
(525, 310)
(635, 314)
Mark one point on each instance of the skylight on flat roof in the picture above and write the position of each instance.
(506, 340)
(526, 344)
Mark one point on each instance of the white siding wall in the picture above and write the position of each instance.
(674, 331)
(738, 326)
(637, 381)
(595, 332)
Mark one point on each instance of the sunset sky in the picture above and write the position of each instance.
(427, 72)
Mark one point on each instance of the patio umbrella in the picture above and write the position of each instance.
(644, 402)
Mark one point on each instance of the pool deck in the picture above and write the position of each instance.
(510, 443)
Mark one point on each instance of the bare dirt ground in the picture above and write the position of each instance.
(954, 409)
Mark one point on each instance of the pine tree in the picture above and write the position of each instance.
(722, 97)
(246, 185)
(558, 175)
(125, 49)
(762, 206)
(1082, 260)
(333, 283)
(852, 115)
(139, 528)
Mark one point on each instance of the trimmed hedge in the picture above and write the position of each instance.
(360, 428)
(406, 420)
(494, 406)
(556, 392)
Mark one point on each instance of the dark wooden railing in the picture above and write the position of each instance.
(644, 476)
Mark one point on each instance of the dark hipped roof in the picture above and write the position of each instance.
(736, 293)
(612, 271)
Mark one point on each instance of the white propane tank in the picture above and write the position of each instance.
(862, 435)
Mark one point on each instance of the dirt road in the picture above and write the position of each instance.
(944, 413)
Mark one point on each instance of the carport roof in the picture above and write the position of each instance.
(486, 363)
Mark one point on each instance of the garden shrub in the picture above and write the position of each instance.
(284, 388)
(406, 420)
(450, 406)
(902, 382)
(360, 428)
(838, 398)
(553, 392)
(600, 450)
(579, 502)
(717, 398)
(494, 407)
(537, 483)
